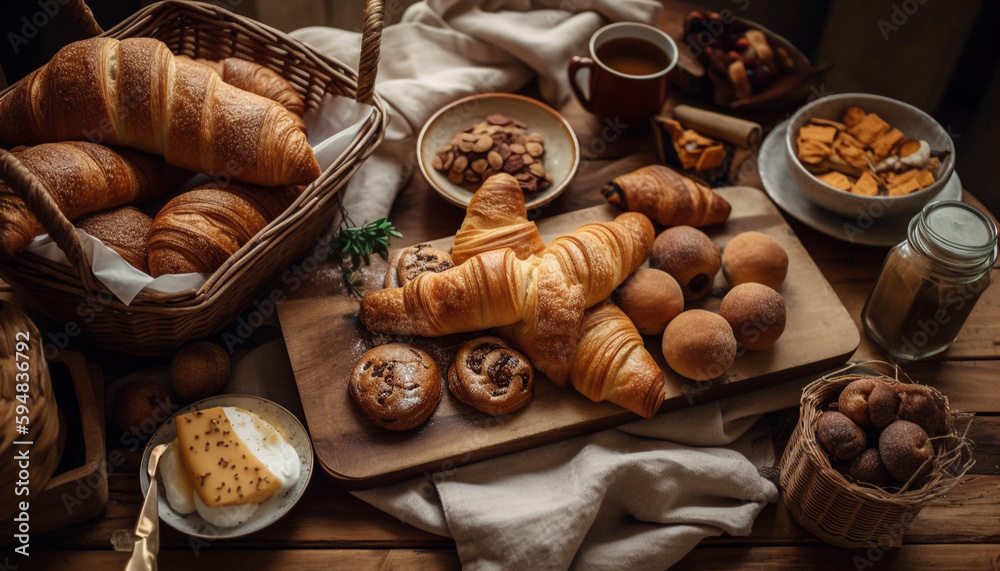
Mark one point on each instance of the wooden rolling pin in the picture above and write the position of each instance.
(739, 132)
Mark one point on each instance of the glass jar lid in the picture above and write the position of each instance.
(955, 233)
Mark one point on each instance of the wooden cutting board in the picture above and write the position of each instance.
(324, 341)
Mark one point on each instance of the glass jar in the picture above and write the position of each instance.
(930, 282)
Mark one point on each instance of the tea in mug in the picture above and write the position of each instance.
(632, 56)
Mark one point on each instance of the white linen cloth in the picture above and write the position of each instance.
(636, 497)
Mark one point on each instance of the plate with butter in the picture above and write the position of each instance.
(234, 465)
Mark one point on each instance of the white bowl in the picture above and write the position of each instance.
(562, 150)
(913, 122)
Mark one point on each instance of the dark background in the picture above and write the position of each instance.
(942, 56)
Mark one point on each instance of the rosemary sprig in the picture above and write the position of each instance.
(357, 244)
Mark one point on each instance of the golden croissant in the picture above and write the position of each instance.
(667, 197)
(492, 289)
(81, 178)
(496, 218)
(136, 93)
(611, 363)
(198, 230)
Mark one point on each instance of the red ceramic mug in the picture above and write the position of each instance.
(629, 66)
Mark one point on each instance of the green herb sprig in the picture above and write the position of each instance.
(357, 244)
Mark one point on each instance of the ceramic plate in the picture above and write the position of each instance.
(780, 185)
(268, 512)
(562, 150)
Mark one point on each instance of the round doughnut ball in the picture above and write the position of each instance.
(839, 435)
(883, 405)
(867, 468)
(699, 345)
(754, 257)
(142, 406)
(905, 450)
(690, 256)
(396, 386)
(853, 401)
(756, 313)
(919, 405)
(199, 370)
(650, 298)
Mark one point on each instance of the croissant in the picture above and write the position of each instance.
(611, 363)
(667, 197)
(81, 178)
(486, 291)
(255, 78)
(496, 218)
(197, 231)
(136, 93)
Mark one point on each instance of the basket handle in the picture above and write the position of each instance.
(371, 39)
(84, 18)
(36, 197)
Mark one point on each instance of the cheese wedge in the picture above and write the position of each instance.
(222, 467)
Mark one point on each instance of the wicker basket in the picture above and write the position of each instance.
(846, 514)
(23, 366)
(156, 323)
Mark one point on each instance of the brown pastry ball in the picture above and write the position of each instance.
(868, 468)
(839, 435)
(412, 261)
(756, 313)
(491, 377)
(883, 405)
(396, 386)
(650, 298)
(853, 401)
(199, 370)
(699, 345)
(919, 405)
(754, 257)
(122, 229)
(905, 450)
(141, 406)
(690, 256)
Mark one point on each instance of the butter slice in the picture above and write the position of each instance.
(223, 469)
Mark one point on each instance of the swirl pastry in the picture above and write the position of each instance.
(490, 376)
(396, 386)
(412, 261)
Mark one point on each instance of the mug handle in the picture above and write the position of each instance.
(577, 63)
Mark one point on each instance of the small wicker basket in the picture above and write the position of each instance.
(156, 323)
(854, 515)
(23, 366)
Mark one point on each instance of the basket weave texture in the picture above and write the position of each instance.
(156, 323)
(23, 366)
(854, 515)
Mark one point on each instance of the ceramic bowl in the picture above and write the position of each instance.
(562, 149)
(913, 122)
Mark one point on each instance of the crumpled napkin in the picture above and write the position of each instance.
(637, 497)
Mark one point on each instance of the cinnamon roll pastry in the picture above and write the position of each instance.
(491, 377)
(410, 262)
(396, 386)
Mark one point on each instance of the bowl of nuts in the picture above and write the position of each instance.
(859, 154)
(478, 136)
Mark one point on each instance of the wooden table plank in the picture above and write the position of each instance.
(908, 557)
(208, 557)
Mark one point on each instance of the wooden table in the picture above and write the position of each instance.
(331, 529)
